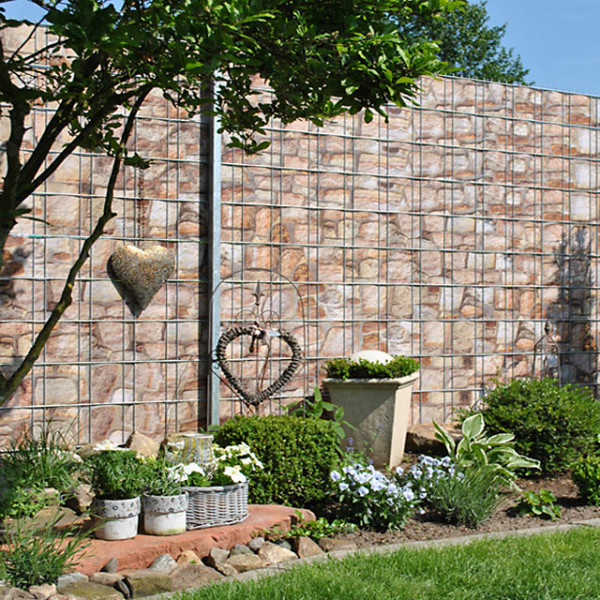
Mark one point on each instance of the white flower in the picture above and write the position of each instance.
(177, 473)
(190, 468)
(362, 491)
(343, 486)
(234, 474)
(377, 484)
(105, 445)
(408, 494)
(335, 476)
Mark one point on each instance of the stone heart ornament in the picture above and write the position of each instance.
(138, 274)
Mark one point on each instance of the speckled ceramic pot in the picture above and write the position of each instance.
(164, 515)
(116, 519)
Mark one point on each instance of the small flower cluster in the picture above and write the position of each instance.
(425, 476)
(372, 500)
(232, 464)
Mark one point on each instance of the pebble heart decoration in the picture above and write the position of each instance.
(280, 382)
(138, 274)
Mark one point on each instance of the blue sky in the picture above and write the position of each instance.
(558, 40)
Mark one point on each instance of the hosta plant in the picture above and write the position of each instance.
(477, 449)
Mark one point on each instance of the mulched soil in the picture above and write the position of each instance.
(505, 518)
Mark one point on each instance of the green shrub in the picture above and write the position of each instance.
(466, 497)
(298, 454)
(345, 368)
(552, 424)
(35, 556)
(586, 476)
(32, 464)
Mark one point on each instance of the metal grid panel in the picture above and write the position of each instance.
(450, 233)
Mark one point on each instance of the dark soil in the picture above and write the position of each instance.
(505, 518)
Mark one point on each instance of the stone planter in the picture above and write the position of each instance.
(164, 515)
(378, 409)
(116, 519)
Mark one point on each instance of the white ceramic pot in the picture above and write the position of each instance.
(164, 515)
(116, 519)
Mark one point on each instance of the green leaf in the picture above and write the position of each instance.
(473, 426)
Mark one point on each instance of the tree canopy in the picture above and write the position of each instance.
(102, 59)
(469, 43)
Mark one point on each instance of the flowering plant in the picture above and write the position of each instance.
(232, 464)
(371, 500)
(425, 476)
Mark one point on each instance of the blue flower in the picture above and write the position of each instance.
(362, 491)
(343, 486)
(335, 476)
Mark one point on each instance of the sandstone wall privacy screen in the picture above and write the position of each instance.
(451, 233)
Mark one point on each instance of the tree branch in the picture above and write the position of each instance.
(9, 385)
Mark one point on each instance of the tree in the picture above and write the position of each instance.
(321, 58)
(469, 44)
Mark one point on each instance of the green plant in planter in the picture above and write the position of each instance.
(117, 474)
(346, 368)
(161, 479)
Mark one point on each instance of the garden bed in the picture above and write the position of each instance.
(504, 518)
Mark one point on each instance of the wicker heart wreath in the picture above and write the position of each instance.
(256, 334)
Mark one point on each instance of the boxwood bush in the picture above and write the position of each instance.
(298, 453)
(551, 423)
(346, 368)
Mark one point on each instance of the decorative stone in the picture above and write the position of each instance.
(421, 439)
(110, 579)
(240, 549)
(282, 543)
(255, 543)
(305, 547)
(87, 590)
(111, 566)
(138, 274)
(82, 499)
(142, 445)
(273, 554)
(246, 562)
(188, 557)
(42, 592)
(146, 582)
(191, 576)
(334, 545)
(68, 579)
(12, 593)
(216, 557)
(164, 563)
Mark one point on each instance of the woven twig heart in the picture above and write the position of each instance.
(279, 383)
(138, 274)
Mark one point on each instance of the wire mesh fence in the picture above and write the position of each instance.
(451, 232)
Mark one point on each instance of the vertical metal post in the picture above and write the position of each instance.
(214, 264)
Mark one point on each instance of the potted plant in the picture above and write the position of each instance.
(164, 503)
(374, 390)
(117, 478)
(218, 494)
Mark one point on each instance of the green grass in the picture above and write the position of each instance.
(544, 567)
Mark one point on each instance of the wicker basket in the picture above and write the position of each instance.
(218, 505)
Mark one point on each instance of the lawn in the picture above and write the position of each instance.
(543, 567)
